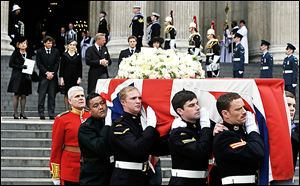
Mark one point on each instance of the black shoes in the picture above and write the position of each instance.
(51, 117)
(23, 116)
(42, 117)
(15, 116)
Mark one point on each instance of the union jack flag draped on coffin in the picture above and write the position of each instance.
(264, 97)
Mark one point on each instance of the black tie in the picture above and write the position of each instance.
(132, 51)
(48, 51)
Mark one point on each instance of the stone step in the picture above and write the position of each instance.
(25, 142)
(30, 124)
(26, 181)
(25, 172)
(166, 172)
(25, 152)
(165, 181)
(26, 134)
(25, 161)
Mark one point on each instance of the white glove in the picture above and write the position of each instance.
(204, 118)
(56, 181)
(172, 44)
(151, 117)
(294, 85)
(197, 51)
(250, 123)
(108, 121)
(240, 72)
(12, 35)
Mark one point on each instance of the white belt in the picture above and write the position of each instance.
(130, 165)
(287, 71)
(238, 179)
(265, 68)
(188, 173)
(236, 59)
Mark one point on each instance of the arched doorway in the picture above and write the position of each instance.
(50, 15)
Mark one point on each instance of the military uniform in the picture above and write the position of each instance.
(96, 160)
(194, 42)
(65, 153)
(290, 73)
(131, 148)
(266, 65)
(266, 62)
(170, 33)
(137, 24)
(155, 30)
(212, 51)
(238, 61)
(238, 155)
(190, 149)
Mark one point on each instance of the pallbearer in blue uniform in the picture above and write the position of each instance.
(238, 60)
(137, 24)
(290, 69)
(266, 62)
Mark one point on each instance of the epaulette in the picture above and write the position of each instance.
(168, 28)
(238, 144)
(63, 113)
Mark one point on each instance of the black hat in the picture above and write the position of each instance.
(264, 42)
(238, 35)
(21, 39)
(157, 39)
(290, 46)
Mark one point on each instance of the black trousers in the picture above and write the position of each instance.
(47, 87)
(139, 43)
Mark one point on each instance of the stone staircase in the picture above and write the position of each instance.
(25, 151)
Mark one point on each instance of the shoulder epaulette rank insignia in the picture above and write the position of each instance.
(188, 140)
(141, 20)
(119, 125)
(63, 113)
(238, 144)
(121, 132)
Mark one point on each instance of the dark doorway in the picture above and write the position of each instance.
(49, 16)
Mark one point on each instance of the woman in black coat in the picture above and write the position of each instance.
(20, 83)
(70, 71)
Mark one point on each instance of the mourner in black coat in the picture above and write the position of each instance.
(98, 58)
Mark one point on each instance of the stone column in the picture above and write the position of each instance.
(120, 19)
(258, 28)
(183, 15)
(6, 48)
(284, 28)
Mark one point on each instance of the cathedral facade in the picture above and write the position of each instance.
(275, 21)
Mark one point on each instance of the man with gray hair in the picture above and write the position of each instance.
(65, 152)
(98, 58)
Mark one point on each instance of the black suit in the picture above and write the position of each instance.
(47, 62)
(97, 71)
(126, 53)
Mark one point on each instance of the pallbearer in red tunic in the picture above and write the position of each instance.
(65, 152)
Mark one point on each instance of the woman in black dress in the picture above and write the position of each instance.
(70, 71)
(20, 83)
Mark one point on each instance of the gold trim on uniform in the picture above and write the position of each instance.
(118, 133)
(181, 134)
(211, 43)
(63, 113)
(188, 140)
(76, 111)
(119, 125)
(168, 28)
(238, 144)
(55, 171)
(141, 20)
